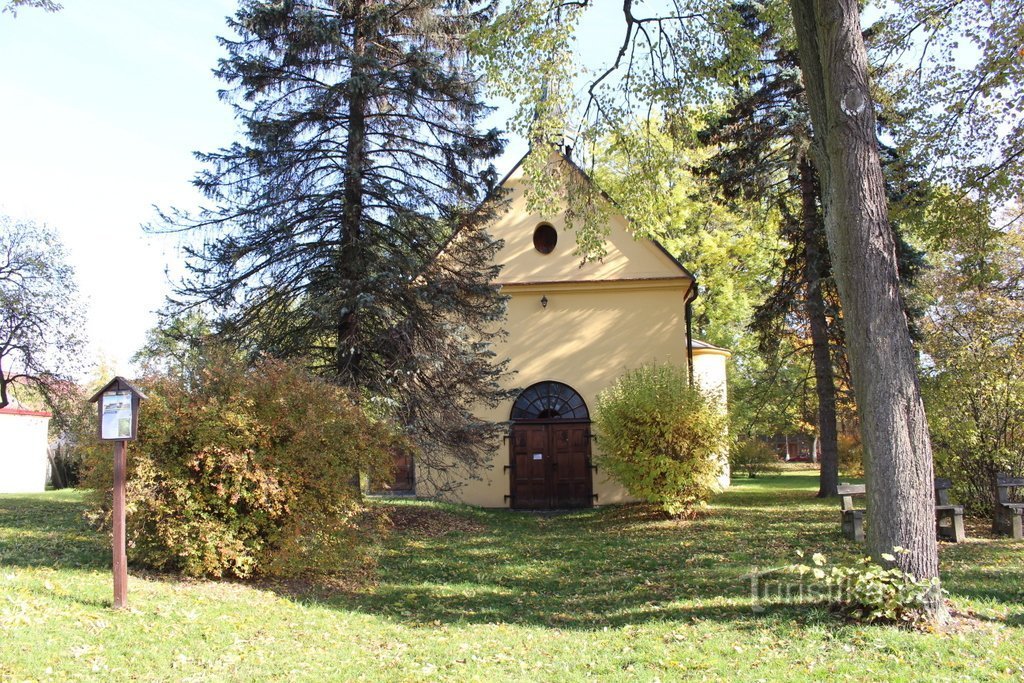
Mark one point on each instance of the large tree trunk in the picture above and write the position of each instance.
(347, 359)
(898, 456)
(824, 378)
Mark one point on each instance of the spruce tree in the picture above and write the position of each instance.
(348, 227)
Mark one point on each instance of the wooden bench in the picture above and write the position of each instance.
(949, 519)
(852, 520)
(1008, 515)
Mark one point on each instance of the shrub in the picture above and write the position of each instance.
(753, 457)
(246, 472)
(851, 456)
(661, 438)
(868, 592)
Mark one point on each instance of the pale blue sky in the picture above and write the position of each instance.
(101, 107)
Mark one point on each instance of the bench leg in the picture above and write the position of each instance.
(1009, 522)
(958, 534)
(954, 532)
(853, 526)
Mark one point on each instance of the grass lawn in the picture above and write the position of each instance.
(609, 594)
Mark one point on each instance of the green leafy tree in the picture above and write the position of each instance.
(175, 346)
(347, 227)
(40, 313)
(649, 172)
(762, 139)
(956, 71)
(557, 99)
(974, 375)
(661, 437)
(733, 251)
(774, 395)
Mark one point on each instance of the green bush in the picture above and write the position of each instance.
(661, 438)
(246, 472)
(753, 457)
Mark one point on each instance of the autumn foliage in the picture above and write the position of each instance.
(662, 438)
(246, 471)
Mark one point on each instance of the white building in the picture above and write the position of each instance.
(23, 441)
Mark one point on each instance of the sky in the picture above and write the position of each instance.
(102, 105)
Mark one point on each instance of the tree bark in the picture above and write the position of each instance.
(898, 458)
(824, 378)
(352, 213)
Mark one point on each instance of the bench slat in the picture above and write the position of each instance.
(949, 507)
(942, 483)
(852, 489)
(1003, 481)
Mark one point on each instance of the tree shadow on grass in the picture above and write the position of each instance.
(620, 566)
(48, 530)
(609, 567)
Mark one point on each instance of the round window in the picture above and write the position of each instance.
(545, 238)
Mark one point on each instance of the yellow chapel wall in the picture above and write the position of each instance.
(586, 337)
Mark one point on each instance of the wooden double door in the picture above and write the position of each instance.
(550, 466)
(402, 480)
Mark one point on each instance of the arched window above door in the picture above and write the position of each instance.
(550, 401)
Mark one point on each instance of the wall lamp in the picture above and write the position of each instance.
(544, 302)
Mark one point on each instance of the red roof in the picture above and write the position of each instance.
(20, 411)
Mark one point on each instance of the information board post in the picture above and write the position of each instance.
(120, 551)
(118, 404)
